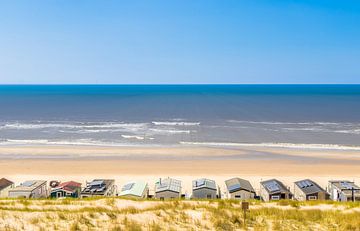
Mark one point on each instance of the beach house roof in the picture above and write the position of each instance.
(274, 186)
(203, 183)
(135, 188)
(98, 186)
(346, 186)
(29, 185)
(4, 183)
(168, 184)
(69, 186)
(309, 186)
(236, 184)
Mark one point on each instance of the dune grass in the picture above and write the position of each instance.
(128, 214)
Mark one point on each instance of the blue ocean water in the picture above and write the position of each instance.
(297, 115)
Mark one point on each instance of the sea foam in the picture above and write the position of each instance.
(278, 145)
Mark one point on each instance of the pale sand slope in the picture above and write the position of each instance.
(186, 163)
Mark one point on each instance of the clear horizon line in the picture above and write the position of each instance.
(169, 84)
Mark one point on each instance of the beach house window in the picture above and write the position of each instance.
(275, 197)
(311, 198)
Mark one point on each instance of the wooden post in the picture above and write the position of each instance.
(244, 207)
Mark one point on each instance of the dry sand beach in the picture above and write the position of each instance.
(186, 163)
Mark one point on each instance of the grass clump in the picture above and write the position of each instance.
(131, 225)
(154, 227)
(75, 226)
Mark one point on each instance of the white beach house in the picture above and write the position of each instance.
(137, 189)
(344, 190)
(30, 189)
(168, 188)
(5, 186)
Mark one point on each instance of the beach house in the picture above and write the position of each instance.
(239, 189)
(5, 186)
(66, 189)
(309, 190)
(99, 187)
(204, 188)
(30, 189)
(274, 190)
(167, 188)
(343, 190)
(137, 189)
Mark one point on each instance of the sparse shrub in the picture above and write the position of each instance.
(62, 216)
(116, 228)
(34, 220)
(110, 201)
(154, 227)
(111, 215)
(66, 201)
(223, 225)
(75, 226)
(130, 209)
(132, 226)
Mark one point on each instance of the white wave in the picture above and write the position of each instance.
(279, 145)
(15, 141)
(308, 129)
(315, 129)
(72, 125)
(287, 123)
(178, 123)
(84, 142)
(169, 131)
(354, 131)
(80, 128)
(133, 137)
(85, 131)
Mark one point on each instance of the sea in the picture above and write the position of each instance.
(292, 116)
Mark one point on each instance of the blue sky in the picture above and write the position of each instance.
(179, 41)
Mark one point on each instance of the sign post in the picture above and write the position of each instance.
(245, 208)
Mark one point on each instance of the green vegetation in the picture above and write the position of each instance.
(152, 215)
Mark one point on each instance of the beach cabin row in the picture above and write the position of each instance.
(169, 188)
(306, 189)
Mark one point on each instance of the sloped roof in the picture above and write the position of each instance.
(98, 186)
(135, 188)
(274, 186)
(4, 183)
(203, 183)
(236, 184)
(344, 184)
(70, 186)
(309, 186)
(29, 185)
(168, 184)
